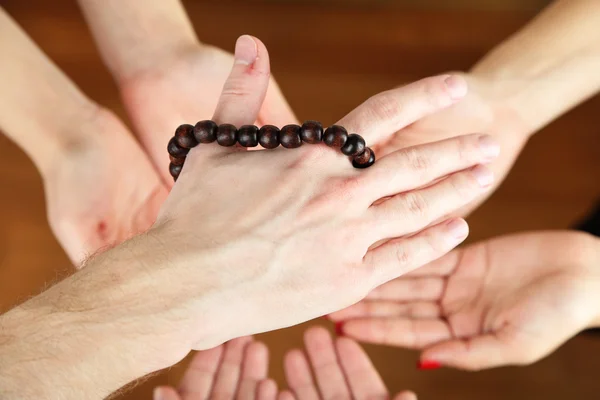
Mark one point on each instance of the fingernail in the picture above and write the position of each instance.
(457, 87)
(483, 175)
(427, 365)
(458, 228)
(246, 50)
(339, 328)
(488, 146)
(157, 394)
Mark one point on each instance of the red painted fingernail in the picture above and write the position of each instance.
(339, 328)
(428, 365)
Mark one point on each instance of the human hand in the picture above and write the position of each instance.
(235, 370)
(187, 89)
(100, 186)
(508, 300)
(342, 369)
(238, 370)
(307, 226)
(484, 109)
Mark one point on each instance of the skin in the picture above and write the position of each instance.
(511, 300)
(198, 277)
(551, 63)
(341, 367)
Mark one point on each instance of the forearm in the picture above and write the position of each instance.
(551, 65)
(40, 108)
(90, 334)
(134, 36)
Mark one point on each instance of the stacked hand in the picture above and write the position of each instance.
(238, 370)
(508, 300)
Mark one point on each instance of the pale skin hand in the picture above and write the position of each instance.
(535, 76)
(342, 369)
(165, 75)
(100, 186)
(300, 232)
(235, 370)
(511, 300)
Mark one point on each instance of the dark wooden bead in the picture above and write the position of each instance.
(177, 160)
(175, 170)
(311, 132)
(227, 135)
(184, 135)
(268, 136)
(335, 136)
(290, 137)
(365, 159)
(176, 150)
(248, 136)
(355, 145)
(206, 131)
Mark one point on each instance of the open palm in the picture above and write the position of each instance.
(509, 300)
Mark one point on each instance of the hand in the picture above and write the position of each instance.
(509, 300)
(185, 91)
(102, 191)
(482, 110)
(237, 369)
(308, 225)
(100, 186)
(342, 369)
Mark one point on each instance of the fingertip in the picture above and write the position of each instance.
(165, 393)
(246, 50)
(458, 229)
(456, 86)
(267, 389)
(406, 395)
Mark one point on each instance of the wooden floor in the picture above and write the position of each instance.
(553, 183)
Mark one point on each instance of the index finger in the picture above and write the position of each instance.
(386, 113)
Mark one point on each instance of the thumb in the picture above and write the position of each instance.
(165, 393)
(246, 87)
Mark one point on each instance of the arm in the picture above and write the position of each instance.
(89, 335)
(550, 66)
(134, 37)
(41, 110)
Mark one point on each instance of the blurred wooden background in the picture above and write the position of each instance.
(357, 48)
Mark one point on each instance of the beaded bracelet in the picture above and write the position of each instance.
(269, 137)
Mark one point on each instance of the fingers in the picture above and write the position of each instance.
(286, 395)
(412, 211)
(410, 289)
(324, 361)
(227, 378)
(254, 370)
(421, 165)
(246, 87)
(299, 377)
(400, 256)
(386, 113)
(166, 393)
(198, 378)
(361, 375)
(441, 267)
(486, 351)
(386, 309)
(405, 396)
(399, 332)
(267, 390)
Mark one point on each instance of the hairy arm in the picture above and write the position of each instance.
(92, 333)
